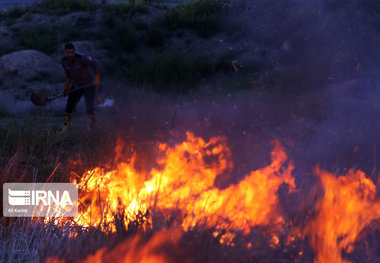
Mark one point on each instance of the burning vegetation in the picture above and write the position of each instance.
(175, 203)
(185, 183)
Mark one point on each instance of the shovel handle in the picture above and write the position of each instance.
(54, 97)
(61, 95)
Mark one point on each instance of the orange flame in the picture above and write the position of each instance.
(185, 182)
(347, 207)
(134, 250)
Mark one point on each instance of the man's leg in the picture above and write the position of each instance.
(71, 104)
(89, 95)
(67, 119)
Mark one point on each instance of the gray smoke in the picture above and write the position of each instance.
(322, 61)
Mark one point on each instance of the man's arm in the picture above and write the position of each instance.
(66, 87)
(94, 63)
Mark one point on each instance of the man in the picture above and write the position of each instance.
(79, 76)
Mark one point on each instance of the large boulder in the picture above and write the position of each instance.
(30, 65)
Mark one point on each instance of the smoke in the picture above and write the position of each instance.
(324, 70)
(322, 106)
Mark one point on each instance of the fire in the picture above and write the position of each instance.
(185, 183)
(347, 207)
(181, 191)
(135, 249)
(251, 202)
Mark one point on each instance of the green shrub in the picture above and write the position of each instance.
(170, 68)
(4, 112)
(9, 16)
(125, 37)
(140, 25)
(70, 34)
(116, 15)
(41, 38)
(13, 13)
(46, 39)
(121, 38)
(124, 10)
(155, 37)
(203, 16)
(63, 7)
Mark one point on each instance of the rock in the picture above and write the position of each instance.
(30, 65)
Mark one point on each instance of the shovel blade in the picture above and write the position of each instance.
(38, 99)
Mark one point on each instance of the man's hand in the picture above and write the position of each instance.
(66, 90)
(96, 81)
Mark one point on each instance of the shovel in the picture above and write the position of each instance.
(41, 100)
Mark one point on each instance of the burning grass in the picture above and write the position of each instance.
(184, 183)
(347, 207)
(173, 211)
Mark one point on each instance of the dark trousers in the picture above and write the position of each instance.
(74, 97)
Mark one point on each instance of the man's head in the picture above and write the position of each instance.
(70, 51)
